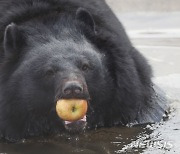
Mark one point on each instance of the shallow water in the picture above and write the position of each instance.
(93, 142)
(159, 40)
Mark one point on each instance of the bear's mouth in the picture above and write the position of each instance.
(76, 126)
(70, 122)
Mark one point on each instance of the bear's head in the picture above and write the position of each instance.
(48, 59)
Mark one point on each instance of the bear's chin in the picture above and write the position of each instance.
(76, 126)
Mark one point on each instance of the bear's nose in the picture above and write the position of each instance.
(72, 88)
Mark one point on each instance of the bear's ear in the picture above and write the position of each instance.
(13, 40)
(84, 16)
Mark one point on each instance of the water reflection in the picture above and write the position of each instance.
(105, 140)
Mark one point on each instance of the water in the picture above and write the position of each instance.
(105, 140)
(157, 36)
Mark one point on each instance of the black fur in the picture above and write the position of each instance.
(44, 43)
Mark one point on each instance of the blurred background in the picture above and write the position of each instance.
(144, 5)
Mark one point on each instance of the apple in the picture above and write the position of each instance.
(71, 109)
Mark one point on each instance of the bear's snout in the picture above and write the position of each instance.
(72, 88)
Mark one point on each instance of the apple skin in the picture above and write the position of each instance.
(71, 109)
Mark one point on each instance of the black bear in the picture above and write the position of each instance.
(49, 45)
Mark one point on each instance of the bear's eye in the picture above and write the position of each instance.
(85, 67)
(50, 72)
